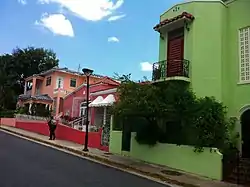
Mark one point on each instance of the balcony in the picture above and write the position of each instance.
(171, 70)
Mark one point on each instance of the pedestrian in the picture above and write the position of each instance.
(52, 128)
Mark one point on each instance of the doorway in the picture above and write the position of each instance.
(245, 133)
(175, 52)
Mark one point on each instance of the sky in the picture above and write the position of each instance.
(108, 36)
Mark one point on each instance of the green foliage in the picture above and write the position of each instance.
(170, 112)
(7, 113)
(23, 110)
(20, 64)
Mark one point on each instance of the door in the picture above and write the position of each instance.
(175, 53)
(126, 136)
(245, 132)
(60, 105)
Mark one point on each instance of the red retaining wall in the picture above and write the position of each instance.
(64, 133)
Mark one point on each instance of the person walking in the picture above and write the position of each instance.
(52, 128)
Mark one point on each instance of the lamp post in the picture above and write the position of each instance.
(87, 73)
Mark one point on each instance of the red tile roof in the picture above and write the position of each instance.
(167, 21)
(107, 80)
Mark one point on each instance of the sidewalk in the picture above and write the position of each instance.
(158, 173)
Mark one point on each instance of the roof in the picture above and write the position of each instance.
(43, 97)
(107, 80)
(167, 21)
(104, 80)
(100, 102)
(64, 70)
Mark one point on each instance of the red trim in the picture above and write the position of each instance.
(167, 21)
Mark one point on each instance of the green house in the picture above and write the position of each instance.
(207, 43)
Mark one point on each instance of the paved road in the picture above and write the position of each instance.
(27, 164)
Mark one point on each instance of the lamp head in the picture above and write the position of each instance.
(87, 71)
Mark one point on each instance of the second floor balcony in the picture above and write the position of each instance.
(171, 70)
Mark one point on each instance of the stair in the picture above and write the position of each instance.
(241, 173)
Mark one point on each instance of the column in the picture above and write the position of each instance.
(25, 88)
(33, 91)
(104, 116)
(30, 105)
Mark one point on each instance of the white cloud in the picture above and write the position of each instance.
(113, 39)
(23, 2)
(56, 23)
(93, 10)
(146, 66)
(114, 18)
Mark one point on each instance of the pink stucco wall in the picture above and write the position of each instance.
(8, 121)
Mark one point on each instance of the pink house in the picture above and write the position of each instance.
(102, 96)
(50, 87)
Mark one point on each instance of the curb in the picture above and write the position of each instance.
(104, 160)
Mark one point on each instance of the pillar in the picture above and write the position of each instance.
(104, 116)
(30, 105)
(33, 91)
(25, 88)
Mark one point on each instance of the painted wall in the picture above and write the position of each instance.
(79, 96)
(208, 164)
(8, 121)
(212, 47)
(115, 142)
(205, 55)
(238, 17)
(62, 132)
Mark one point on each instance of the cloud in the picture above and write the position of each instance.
(113, 39)
(114, 18)
(92, 10)
(23, 2)
(56, 23)
(146, 66)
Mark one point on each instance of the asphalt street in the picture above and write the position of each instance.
(27, 164)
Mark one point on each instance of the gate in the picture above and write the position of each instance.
(105, 135)
(126, 137)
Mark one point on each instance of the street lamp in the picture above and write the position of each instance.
(87, 73)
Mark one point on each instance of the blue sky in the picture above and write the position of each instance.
(105, 35)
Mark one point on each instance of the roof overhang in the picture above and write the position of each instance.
(100, 102)
(34, 76)
(37, 98)
(175, 22)
(96, 102)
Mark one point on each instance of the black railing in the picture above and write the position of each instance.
(170, 68)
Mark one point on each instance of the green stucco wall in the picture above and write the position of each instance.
(115, 142)
(205, 31)
(238, 17)
(212, 47)
(208, 164)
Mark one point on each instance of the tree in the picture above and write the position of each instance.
(32, 60)
(20, 64)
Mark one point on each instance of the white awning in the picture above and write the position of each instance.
(96, 102)
(108, 101)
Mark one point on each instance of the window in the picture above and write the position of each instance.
(59, 82)
(72, 82)
(244, 53)
(48, 81)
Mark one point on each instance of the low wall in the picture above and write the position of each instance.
(8, 121)
(115, 144)
(208, 164)
(62, 132)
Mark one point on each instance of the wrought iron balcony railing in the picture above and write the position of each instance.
(170, 68)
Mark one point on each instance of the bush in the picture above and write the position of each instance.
(7, 114)
(170, 112)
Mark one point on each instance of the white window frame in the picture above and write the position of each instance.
(244, 55)
(59, 80)
(83, 108)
